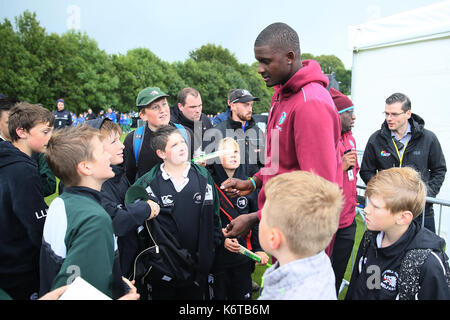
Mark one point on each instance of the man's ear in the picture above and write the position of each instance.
(290, 56)
(404, 217)
(161, 154)
(180, 106)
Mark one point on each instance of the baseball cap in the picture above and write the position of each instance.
(241, 95)
(148, 95)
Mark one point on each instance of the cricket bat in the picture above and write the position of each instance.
(243, 250)
(212, 155)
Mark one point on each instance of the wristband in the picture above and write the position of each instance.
(253, 182)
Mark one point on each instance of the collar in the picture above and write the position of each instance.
(167, 176)
(408, 130)
(86, 192)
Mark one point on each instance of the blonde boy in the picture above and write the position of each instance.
(397, 259)
(298, 220)
(232, 271)
(78, 235)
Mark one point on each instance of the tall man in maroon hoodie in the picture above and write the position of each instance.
(303, 129)
(345, 236)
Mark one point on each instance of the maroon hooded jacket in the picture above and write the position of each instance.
(303, 130)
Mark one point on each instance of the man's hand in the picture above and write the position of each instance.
(240, 227)
(236, 187)
(348, 160)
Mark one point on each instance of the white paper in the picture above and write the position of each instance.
(80, 289)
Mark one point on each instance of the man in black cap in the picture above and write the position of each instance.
(139, 157)
(241, 126)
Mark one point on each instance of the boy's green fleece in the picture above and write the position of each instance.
(78, 240)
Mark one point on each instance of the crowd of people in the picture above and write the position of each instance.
(184, 207)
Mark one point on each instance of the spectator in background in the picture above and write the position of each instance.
(154, 110)
(90, 115)
(345, 235)
(242, 127)
(6, 104)
(81, 119)
(111, 115)
(403, 141)
(63, 117)
(188, 112)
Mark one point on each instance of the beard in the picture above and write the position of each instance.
(244, 117)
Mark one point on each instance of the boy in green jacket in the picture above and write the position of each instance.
(78, 234)
(189, 212)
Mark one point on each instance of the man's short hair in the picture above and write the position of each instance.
(182, 95)
(401, 189)
(279, 36)
(26, 115)
(67, 148)
(399, 97)
(161, 136)
(305, 207)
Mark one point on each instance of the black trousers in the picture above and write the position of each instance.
(234, 283)
(163, 290)
(342, 249)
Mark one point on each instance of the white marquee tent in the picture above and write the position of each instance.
(409, 53)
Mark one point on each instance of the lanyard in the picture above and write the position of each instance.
(403, 153)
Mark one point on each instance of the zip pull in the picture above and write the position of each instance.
(157, 249)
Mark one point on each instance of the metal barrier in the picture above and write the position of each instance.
(440, 202)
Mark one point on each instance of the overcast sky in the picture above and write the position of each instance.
(173, 28)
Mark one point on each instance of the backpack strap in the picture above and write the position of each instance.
(230, 212)
(183, 131)
(138, 137)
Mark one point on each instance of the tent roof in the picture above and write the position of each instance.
(420, 24)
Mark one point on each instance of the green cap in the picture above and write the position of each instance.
(148, 95)
(136, 193)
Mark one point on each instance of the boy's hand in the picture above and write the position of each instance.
(132, 294)
(55, 294)
(236, 187)
(154, 209)
(232, 245)
(264, 257)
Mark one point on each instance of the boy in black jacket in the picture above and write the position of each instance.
(397, 259)
(189, 211)
(232, 271)
(126, 218)
(22, 206)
